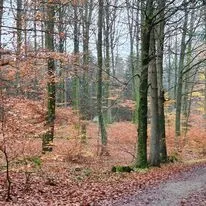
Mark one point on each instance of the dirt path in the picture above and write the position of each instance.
(187, 188)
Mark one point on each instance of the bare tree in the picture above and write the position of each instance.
(100, 82)
(49, 44)
(147, 13)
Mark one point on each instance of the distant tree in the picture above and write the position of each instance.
(133, 27)
(75, 81)
(180, 73)
(19, 19)
(86, 24)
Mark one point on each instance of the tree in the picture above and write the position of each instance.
(155, 135)
(189, 78)
(133, 24)
(19, 18)
(147, 13)
(180, 73)
(49, 45)
(99, 87)
(86, 23)
(159, 36)
(75, 82)
(107, 62)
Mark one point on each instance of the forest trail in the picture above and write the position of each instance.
(187, 188)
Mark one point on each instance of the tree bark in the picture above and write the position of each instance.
(99, 87)
(154, 140)
(19, 43)
(51, 90)
(75, 82)
(160, 51)
(186, 87)
(85, 104)
(107, 62)
(141, 157)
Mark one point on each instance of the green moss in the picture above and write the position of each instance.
(122, 169)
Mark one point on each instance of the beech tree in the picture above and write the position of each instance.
(155, 135)
(146, 27)
(102, 128)
(180, 73)
(49, 45)
(160, 37)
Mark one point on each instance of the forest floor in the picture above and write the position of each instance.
(74, 175)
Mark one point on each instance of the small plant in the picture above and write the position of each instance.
(35, 160)
(174, 157)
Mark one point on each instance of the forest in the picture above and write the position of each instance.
(102, 101)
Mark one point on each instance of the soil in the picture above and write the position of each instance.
(185, 189)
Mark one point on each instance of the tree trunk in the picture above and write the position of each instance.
(49, 44)
(180, 76)
(154, 140)
(19, 43)
(133, 32)
(85, 104)
(75, 86)
(137, 65)
(176, 67)
(141, 157)
(107, 63)
(160, 49)
(187, 78)
(99, 87)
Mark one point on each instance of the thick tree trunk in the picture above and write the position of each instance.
(100, 84)
(154, 140)
(141, 157)
(49, 44)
